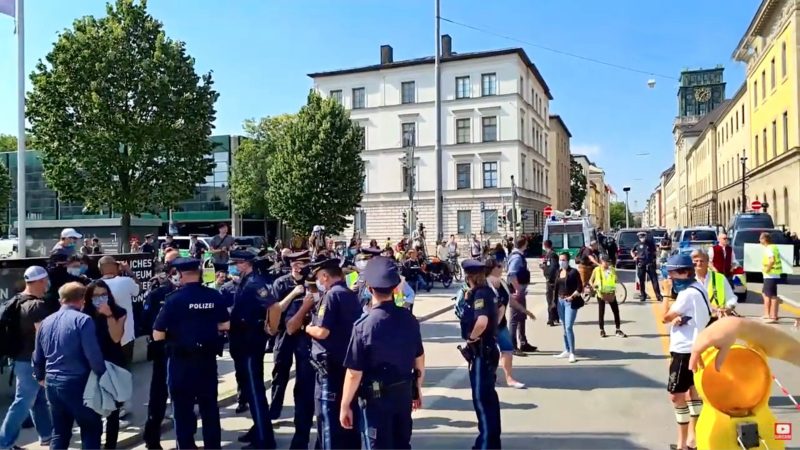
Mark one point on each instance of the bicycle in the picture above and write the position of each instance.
(455, 268)
(620, 292)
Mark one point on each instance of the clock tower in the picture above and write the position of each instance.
(700, 92)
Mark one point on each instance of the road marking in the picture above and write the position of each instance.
(661, 327)
(444, 387)
(792, 305)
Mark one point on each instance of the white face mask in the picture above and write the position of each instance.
(99, 300)
(320, 287)
(563, 264)
(176, 279)
(361, 265)
(74, 271)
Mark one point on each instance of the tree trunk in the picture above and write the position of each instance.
(124, 246)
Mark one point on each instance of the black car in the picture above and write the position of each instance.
(751, 220)
(626, 240)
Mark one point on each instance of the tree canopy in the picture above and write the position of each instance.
(577, 186)
(120, 115)
(616, 214)
(316, 175)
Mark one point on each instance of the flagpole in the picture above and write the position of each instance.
(21, 204)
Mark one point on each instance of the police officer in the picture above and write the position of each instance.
(645, 256)
(362, 259)
(190, 322)
(254, 316)
(168, 243)
(160, 287)
(293, 343)
(330, 328)
(383, 359)
(148, 246)
(478, 328)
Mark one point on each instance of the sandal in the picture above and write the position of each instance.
(603, 333)
(620, 333)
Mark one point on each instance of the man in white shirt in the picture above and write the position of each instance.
(720, 294)
(687, 317)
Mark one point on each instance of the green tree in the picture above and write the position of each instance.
(316, 176)
(5, 193)
(616, 214)
(251, 160)
(577, 186)
(120, 115)
(8, 143)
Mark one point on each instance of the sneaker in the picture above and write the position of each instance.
(621, 334)
(572, 358)
(516, 385)
(562, 355)
(242, 407)
(45, 442)
(528, 347)
(518, 353)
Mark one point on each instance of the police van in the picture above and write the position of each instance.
(570, 231)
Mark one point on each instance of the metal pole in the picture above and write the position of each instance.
(513, 208)
(744, 188)
(21, 204)
(627, 212)
(437, 202)
(412, 185)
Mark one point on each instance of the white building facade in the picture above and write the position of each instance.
(494, 122)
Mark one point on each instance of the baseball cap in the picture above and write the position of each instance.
(70, 233)
(35, 273)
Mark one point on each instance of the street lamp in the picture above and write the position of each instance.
(627, 189)
(743, 159)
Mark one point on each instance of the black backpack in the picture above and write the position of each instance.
(10, 333)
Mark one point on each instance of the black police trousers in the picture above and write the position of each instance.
(647, 270)
(386, 421)
(288, 348)
(482, 379)
(247, 351)
(328, 394)
(552, 303)
(157, 404)
(193, 380)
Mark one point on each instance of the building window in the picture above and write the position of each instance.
(742, 114)
(409, 179)
(359, 98)
(755, 150)
(336, 95)
(489, 129)
(772, 74)
(490, 221)
(408, 91)
(522, 129)
(755, 94)
(524, 176)
(490, 174)
(785, 131)
(488, 84)
(462, 131)
(764, 142)
(363, 136)
(774, 138)
(763, 85)
(463, 176)
(360, 221)
(462, 87)
(464, 219)
(737, 120)
(409, 134)
(783, 59)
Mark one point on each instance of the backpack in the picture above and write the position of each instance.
(524, 275)
(461, 302)
(10, 339)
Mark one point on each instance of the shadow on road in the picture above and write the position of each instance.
(567, 441)
(587, 377)
(447, 403)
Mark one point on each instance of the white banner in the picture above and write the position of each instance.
(754, 254)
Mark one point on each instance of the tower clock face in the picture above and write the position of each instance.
(702, 95)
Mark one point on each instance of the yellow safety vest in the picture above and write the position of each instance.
(602, 284)
(716, 288)
(777, 269)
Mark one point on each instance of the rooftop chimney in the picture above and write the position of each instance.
(387, 54)
(447, 45)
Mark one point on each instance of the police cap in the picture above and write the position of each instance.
(299, 256)
(186, 265)
(327, 263)
(240, 255)
(642, 234)
(679, 261)
(369, 251)
(381, 273)
(473, 266)
(148, 236)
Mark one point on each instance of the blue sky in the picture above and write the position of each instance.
(260, 51)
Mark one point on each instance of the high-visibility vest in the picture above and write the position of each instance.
(716, 288)
(777, 269)
(351, 279)
(603, 284)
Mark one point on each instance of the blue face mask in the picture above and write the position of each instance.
(681, 284)
(233, 271)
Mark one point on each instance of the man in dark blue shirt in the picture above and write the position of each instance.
(331, 328)
(384, 354)
(190, 323)
(66, 351)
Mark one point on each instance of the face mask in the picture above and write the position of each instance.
(99, 300)
(563, 264)
(233, 271)
(681, 284)
(361, 265)
(176, 279)
(320, 287)
(84, 268)
(74, 271)
(71, 245)
(641, 239)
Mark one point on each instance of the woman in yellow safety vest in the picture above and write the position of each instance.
(771, 269)
(604, 282)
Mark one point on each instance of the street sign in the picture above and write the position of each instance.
(755, 205)
(547, 211)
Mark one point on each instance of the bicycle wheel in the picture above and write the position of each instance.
(621, 293)
(457, 272)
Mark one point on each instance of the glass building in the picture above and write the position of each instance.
(210, 204)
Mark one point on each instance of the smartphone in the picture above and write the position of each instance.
(684, 320)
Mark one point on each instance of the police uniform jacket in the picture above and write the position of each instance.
(250, 304)
(480, 301)
(155, 297)
(281, 288)
(643, 253)
(337, 311)
(190, 317)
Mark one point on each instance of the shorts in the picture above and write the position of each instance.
(504, 340)
(680, 377)
(770, 287)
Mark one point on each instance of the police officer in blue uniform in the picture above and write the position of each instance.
(191, 321)
(160, 287)
(331, 327)
(479, 329)
(385, 363)
(644, 253)
(254, 316)
(362, 259)
(292, 343)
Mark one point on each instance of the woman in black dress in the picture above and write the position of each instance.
(109, 320)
